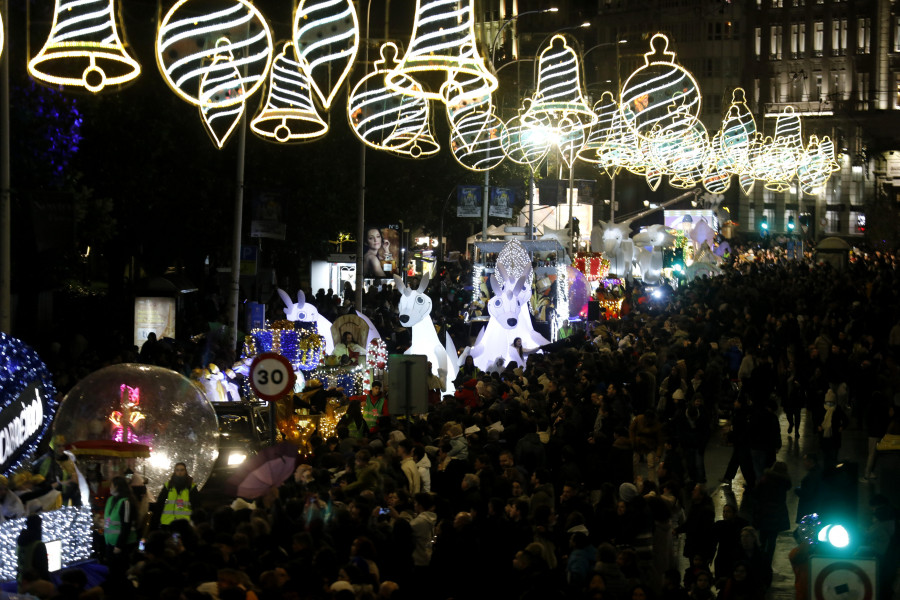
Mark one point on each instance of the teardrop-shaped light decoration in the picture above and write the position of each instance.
(220, 85)
(605, 110)
(326, 36)
(524, 145)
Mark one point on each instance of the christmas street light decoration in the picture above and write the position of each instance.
(442, 50)
(717, 179)
(605, 110)
(288, 113)
(559, 95)
(84, 48)
(475, 141)
(220, 85)
(186, 49)
(389, 120)
(738, 130)
(524, 145)
(326, 37)
(650, 92)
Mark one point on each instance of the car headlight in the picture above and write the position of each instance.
(236, 458)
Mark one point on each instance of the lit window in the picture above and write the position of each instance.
(864, 35)
(798, 39)
(862, 87)
(758, 44)
(839, 37)
(775, 42)
(819, 90)
(819, 39)
(896, 34)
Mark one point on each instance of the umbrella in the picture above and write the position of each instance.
(267, 469)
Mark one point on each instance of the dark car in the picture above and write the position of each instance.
(243, 431)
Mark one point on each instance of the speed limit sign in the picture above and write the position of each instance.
(271, 375)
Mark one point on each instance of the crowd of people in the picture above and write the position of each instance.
(580, 474)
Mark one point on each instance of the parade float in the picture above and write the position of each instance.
(27, 406)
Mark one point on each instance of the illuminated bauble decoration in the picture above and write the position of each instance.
(388, 120)
(84, 48)
(738, 130)
(186, 48)
(652, 92)
(288, 114)
(579, 292)
(219, 115)
(475, 141)
(524, 145)
(178, 422)
(692, 160)
(27, 403)
(746, 181)
(605, 110)
(558, 94)
(816, 165)
(326, 40)
(442, 50)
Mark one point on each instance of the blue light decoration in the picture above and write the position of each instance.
(27, 403)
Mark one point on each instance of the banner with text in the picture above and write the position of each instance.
(468, 201)
(502, 200)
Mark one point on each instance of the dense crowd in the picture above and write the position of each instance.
(580, 474)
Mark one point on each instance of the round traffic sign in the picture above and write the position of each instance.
(271, 375)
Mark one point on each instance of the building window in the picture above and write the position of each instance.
(896, 91)
(896, 34)
(799, 2)
(864, 35)
(862, 88)
(798, 40)
(775, 42)
(832, 221)
(819, 39)
(777, 3)
(819, 90)
(839, 37)
(857, 222)
(758, 43)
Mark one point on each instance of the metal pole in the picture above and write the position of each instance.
(531, 206)
(361, 203)
(612, 199)
(571, 190)
(5, 200)
(235, 300)
(484, 205)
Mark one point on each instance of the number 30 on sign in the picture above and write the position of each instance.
(271, 376)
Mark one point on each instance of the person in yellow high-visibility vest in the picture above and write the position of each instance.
(176, 499)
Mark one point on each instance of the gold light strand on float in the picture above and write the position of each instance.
(326, 39)
(186, 48)
(288, 114)
(84, 48)
(441, 50)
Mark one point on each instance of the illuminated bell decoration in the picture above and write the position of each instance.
(219, 115)
(605, 110)
(84, 48)
(652, 90)
(558, 94)
(326, 40)
(288, 114)
(442, 50)
(621, 149)
(388, 120)
(186, 49)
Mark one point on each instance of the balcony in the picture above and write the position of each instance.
(823, 108)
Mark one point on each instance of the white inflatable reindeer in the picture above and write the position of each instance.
(649, 245)
(510, 318)
(612, 239)
(415, 313)
(306, 312)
